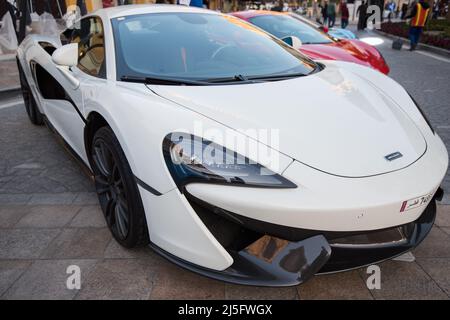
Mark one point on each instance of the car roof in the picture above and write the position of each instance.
(254, 13)
(134, 9)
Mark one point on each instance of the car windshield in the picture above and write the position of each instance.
(201, 47)
(298, 17)
(284, 26)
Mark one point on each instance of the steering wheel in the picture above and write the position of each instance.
(83, 54)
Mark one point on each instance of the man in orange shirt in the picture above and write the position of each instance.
(418, 17)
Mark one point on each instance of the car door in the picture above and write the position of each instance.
(64, 105)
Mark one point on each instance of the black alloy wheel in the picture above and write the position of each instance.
(30, 104)
(117, 190)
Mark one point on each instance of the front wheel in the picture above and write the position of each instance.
(30, 103)
(117, 190)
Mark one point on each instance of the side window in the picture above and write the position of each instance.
(66, 36)
(91, 47)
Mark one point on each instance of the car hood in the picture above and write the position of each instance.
(334, 120)
(346, 50)
(335, 51)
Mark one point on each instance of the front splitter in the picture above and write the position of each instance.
(275, 262)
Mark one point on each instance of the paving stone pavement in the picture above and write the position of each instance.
(9, 75)
(50, 220)
(39, 242)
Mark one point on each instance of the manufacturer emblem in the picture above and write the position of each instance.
(393, 156)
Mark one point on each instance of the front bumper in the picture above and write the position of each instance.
(222, 235)
(351, 256)
(265, 259)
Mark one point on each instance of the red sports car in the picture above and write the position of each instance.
(316, 44)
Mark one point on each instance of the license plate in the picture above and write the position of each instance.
(416, 202)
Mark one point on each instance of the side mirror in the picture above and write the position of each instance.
(293, 41)
(66, 56)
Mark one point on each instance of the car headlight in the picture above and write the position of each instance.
(193, 159)
(423, 114)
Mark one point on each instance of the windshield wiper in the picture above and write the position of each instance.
(253, 79)
(163, 81)
(236, 78)
(204, 82)
(275, 77)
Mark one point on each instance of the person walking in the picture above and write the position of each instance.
(82, 5)
(278, 7)
(344, 14)
(325, 13)
(391, 10)
(196, 3)
(331, 13)
(7, 7)
(190, 3)
(404, 10)
(316, 8)
(362, 15)
(436, 9)
(419, 16)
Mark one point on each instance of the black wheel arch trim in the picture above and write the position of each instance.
(147, 187)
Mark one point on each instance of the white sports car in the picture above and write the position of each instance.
(228, 151)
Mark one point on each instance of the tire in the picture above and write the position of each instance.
(117, 190)
(30, 103)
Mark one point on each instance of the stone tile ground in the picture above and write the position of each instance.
(9, 76)
(36, 251)
(50, 219)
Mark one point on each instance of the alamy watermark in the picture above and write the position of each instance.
(73, 281)
(373, 282)
(373, 17)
